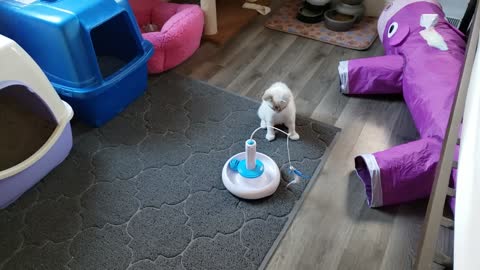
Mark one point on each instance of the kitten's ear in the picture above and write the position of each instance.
(267, 97)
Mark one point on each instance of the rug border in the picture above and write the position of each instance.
(299, 204)
(291, 216)
(248, 98)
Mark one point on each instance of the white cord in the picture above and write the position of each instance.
(288, 137)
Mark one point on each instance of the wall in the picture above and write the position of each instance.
(374, 7)
(454, 8)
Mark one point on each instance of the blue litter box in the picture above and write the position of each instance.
(91, 51)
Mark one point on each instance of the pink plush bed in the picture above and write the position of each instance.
(175, 30)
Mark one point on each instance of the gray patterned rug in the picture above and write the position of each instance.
(145, 191)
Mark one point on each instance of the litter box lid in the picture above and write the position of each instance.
(18, 68)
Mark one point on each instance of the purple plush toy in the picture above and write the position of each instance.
(424, 59)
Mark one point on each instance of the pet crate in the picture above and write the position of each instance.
(91, 51)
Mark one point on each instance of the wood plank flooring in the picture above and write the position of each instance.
(334, 229)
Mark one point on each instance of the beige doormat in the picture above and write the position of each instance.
(361, 37)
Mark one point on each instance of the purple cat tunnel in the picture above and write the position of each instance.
(423, 60)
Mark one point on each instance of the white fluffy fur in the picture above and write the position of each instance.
(278, 107)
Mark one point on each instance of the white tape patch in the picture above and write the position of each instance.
(429, 34)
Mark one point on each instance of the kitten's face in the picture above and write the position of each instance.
(278, 106)
(276, 102)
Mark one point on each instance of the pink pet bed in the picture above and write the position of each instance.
(424, 59)
(175, 30)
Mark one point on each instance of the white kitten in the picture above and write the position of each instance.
(278, 107)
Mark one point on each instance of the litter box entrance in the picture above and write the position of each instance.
(115, 44)
(26, 123)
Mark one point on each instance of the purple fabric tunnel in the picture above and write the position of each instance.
(423, 62)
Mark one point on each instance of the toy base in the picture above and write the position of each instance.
(243, 171)
(252, 188)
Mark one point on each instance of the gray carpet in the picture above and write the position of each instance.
(145, 190)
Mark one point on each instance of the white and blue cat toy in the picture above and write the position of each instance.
(254, 175)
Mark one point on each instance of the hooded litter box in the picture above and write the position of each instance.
(91, 51)
(35, 134)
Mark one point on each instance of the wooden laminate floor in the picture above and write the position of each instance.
(334, 228)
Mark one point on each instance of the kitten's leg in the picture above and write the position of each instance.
(263, 124)
(270, 132)
(291, 129)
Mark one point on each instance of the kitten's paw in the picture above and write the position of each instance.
(263, 124)
(294, 136)
(270, 137)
